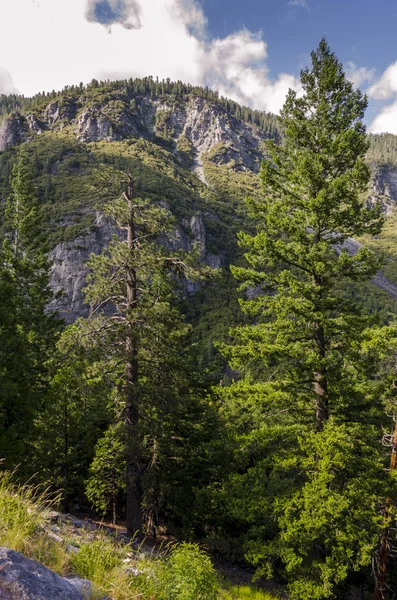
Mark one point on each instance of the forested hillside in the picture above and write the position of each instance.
(197, 319)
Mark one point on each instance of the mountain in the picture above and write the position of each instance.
(194, 152)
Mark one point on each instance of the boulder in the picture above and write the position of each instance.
(25, 579)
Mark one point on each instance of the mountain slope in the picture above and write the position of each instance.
(193, 152)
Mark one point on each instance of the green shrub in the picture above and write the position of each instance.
(245, 592)
(188, 574)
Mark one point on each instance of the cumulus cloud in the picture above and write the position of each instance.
(235, 66)
(359, 75)
(385, 121)
(170, 39)
(385, 89)
(108, 12)
(192, 15)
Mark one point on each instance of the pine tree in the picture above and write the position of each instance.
(136, 325)
(311, 372)
(28, 332)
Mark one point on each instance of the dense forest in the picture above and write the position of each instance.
(245, 403)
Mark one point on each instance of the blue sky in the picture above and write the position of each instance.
(362, 31)
(250, 50)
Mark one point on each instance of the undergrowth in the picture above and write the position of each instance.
(178, 572)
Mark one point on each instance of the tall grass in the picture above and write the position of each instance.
(22, 519)
(183, 572)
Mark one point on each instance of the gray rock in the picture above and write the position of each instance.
(54, 516)
(69, 269)
(85, 587)
(13, 130)
(384, 188)
(55, 537)
(25, 579)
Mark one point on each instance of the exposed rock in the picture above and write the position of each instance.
(35, 125)
(13, 130)
(54, 515)
(69, 269)
(384, 188)
(101, 123)
(55, 537)
(379, 279)
(208, 125)
(57, 111)
(197, 228)
(25, 579)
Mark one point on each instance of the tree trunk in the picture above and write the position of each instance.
(384, 546)
(133, 458)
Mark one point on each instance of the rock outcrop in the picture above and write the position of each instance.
(13, 131)
(204, 123)
(69, 269)
(25, 579)
(384, 188)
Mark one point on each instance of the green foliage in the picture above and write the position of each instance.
(382, 149)
(107, 472)
(96, 561)
(20, 516)
(131, 90)
(184, 148)
(28, 331)
(73, 416)
(244, 592)
(307, 413)
(188, 574)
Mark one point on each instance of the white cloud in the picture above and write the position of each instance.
(61, 47)
(385, 121)
(298, 4)
(235, 66)
(359, 75)
(385, 89)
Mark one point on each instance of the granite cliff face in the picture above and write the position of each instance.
(384, 187)
(190, 132)
(189, 128)
(69, 269)
(203, 123)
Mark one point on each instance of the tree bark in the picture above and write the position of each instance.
(133, 457)
(384, 546)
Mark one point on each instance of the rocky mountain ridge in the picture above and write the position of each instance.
(189, 153)
(201, 124)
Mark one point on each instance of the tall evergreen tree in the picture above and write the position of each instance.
(136, 324)
(27, 330)
(311, 373)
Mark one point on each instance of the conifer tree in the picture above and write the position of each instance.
(310, 365)
(28, 331)
(137, 326)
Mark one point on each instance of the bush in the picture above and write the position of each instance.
(188, 574)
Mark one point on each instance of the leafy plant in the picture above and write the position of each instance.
(188, 574)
